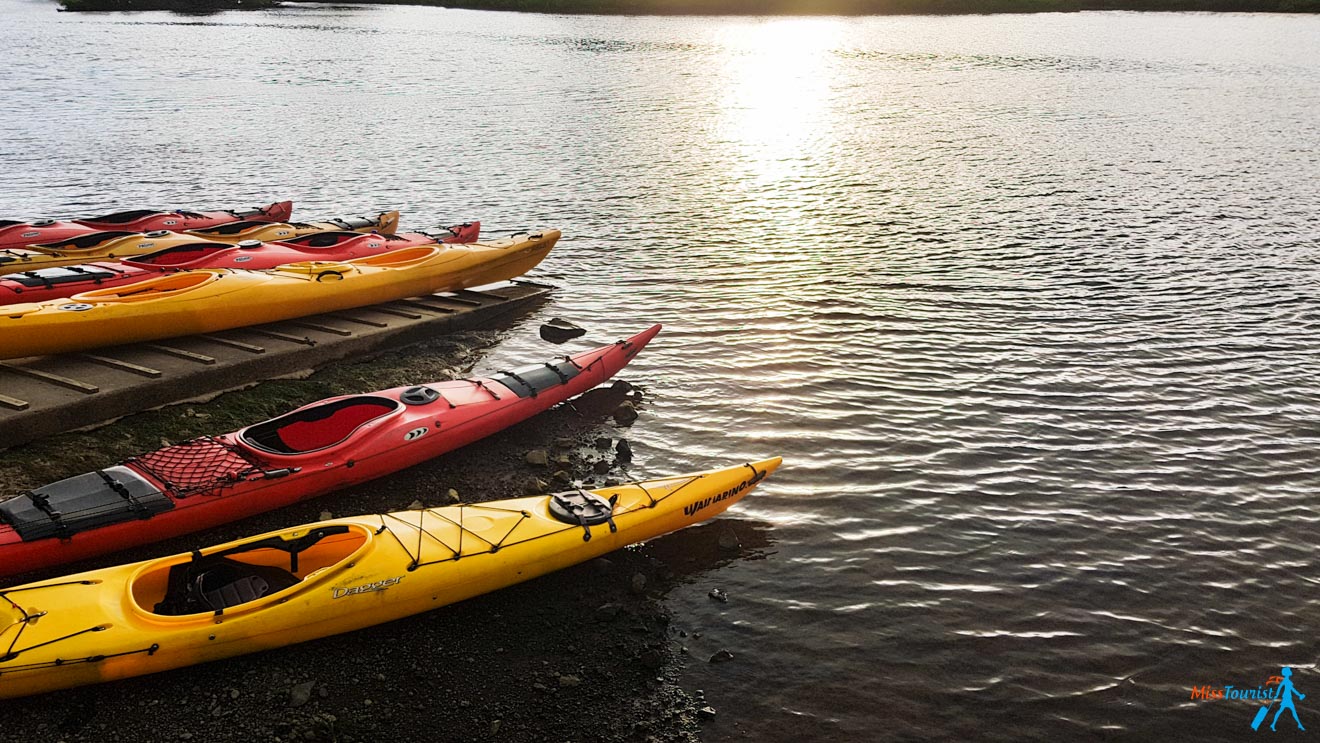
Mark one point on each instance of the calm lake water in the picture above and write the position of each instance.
(1028, 304)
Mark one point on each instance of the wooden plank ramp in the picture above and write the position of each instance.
(46, 395)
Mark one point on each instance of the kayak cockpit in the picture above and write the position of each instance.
(82, 242)
(330, 239)
(165, 286)
(231, 228)
(246, 574)
(122, 217)
(317, 427)
(400, 258)
(181, 255)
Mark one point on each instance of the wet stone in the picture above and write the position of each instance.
(538, 457)
(719, 595)
(624, 451)
(625, 414)
(721, 656)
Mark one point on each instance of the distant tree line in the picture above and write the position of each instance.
(864, 7)
(756, 7)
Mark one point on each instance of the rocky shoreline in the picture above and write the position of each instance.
(585, 654)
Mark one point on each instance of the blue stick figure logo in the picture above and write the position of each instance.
(1284, 696)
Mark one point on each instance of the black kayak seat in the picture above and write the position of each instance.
(216, 582)
(317, 427)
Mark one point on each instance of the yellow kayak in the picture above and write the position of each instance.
(326, 578)
(102, 246)
(207, 300)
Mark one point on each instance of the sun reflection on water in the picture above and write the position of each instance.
(778, 107)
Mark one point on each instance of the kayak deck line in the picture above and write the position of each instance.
(45, 395)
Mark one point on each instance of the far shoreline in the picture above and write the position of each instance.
(745, 8)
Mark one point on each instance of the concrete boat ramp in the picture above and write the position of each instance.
(45, 395)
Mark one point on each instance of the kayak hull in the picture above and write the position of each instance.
(15, 234)
(189, 302)
(356, 572)
(213, 481)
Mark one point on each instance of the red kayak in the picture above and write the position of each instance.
(322, 246)
(16, 234)
(44, 284)
(311, 451)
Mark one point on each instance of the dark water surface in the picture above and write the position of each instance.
(1029, 304)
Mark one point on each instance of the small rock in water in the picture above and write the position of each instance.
(610, 483)
(621, 386)
(721, 656)
(729, 541)
(536, 486)
(601, 466)
(561, 477)
(301, 693)
(604, 442)
(569, 681)
(563, 442)
(495, 727)
(625, 414)
(563, 458)
(416, 505)
(538, 457)
(559, 330)
(719, 595)
(326, 516)
(707, 712)
(452, 496)
(638, 583)
(624, 450)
